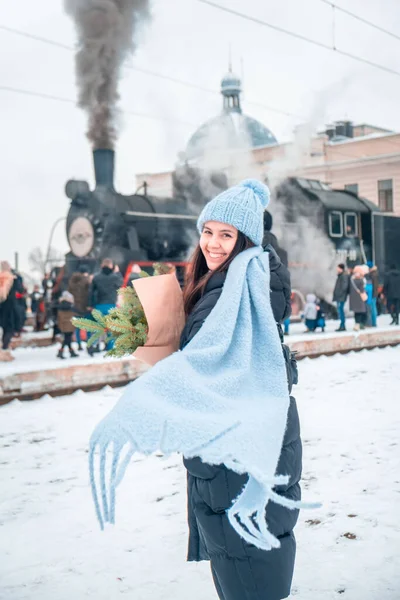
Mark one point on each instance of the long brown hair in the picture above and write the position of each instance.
(198, 273)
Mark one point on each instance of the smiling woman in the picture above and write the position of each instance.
(223, 402)
(217, 242)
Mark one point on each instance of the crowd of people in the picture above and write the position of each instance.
(367, 299)
(13, 303)
(57, 301)
(53, 304)
(358, 291)
(85, 293)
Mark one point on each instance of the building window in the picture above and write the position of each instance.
(351, 187)
(385, 195)
(335, 224)
(350, 223)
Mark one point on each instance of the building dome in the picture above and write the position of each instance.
(231, 129)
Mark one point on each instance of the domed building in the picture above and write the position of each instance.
(231, 130)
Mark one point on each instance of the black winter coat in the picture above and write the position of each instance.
(270, 239)
(240, 570)
(11, 316)
(104, 287)
(391, 287)
(341, 290)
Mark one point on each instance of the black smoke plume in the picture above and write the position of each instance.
(108, 31)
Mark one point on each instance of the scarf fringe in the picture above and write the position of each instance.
(246, 515)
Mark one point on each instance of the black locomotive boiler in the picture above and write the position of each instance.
(103, 223)
(140, 228)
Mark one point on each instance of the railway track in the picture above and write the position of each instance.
(90, 377)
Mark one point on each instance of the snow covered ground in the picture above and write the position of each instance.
(39, 359)
(34, 359)
(51, 547)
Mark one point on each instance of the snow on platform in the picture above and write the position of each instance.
(37, 371)
(52, 548)
(297, 330)
(40, 359)
(31, 338)
(32, 359)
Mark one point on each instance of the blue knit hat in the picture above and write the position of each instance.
(241, 206)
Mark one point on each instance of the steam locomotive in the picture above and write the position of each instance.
(144, 229)
(137, 228)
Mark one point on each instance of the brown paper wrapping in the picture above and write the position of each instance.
(161, 298)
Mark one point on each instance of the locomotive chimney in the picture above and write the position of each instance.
(104, 167)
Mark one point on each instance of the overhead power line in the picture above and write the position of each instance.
(365, 21)
(299, 36)
(32, 36)
(183, 82)
(44, 95)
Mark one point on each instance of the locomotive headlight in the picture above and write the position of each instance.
(75, 188)
(81, 236)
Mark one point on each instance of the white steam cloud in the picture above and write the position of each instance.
(311, 253)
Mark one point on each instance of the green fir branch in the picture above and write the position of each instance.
(86, 324)
(99, 317)
(126, 325)
(94, 338)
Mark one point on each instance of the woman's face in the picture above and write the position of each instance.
(217, 242)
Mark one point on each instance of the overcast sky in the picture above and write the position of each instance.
(44, 143)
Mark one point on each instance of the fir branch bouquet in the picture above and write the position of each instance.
(138, 323)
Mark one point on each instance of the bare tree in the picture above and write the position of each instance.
(39, 262)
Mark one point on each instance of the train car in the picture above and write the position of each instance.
(345, 218)
(356, 228)
(320, 227)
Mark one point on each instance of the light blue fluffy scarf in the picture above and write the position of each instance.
(223, 398)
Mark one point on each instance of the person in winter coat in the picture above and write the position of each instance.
(391, 289)
(9, 315)
(35, 297)
(20, 295)
(358, 297)
(320, 315)
(270, 239)
(240, 570)
(135, 273)
(373, 292)
(340, 294)
(65, 312)
(310, 312)
(37, 306)
(55, 292)
(103, 290)
(79, 285)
